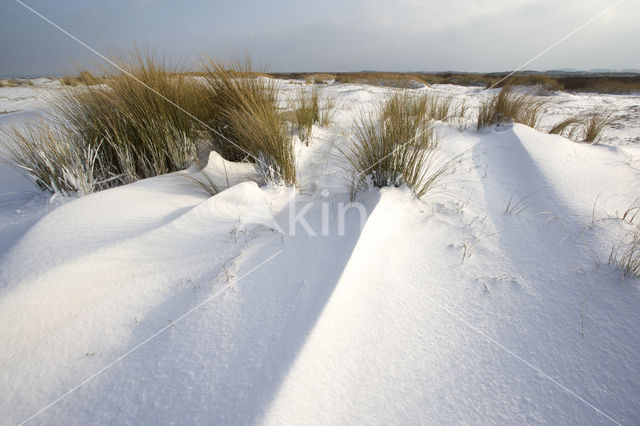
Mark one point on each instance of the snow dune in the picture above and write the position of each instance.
(492, 303)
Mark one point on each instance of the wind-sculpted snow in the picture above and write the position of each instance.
(490, 302)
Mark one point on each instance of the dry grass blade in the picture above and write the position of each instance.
(206, 183)
(568, 123)
(633, 211)
(627, 256)
(585, 128)
(596, 122)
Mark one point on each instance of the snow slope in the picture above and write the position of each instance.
(419, 337)
(493, 302)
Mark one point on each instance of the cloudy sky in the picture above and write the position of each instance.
(331, 35)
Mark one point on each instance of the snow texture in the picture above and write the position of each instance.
(492, 302)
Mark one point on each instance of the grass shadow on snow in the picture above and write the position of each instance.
(551, 261)
(226, 362)
(517, 189)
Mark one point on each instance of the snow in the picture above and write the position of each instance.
(492, 302)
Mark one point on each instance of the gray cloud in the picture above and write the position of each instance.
(466, 35)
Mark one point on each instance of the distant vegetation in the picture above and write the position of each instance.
(83, 77)
(401, 81)
(14, 82)
(573, 82)
(320, 78)
(552, 81)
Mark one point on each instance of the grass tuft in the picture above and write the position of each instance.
(506, 105)
(569, 125)
(53, 159)
(83, 78)
(307, 112)
(596, 122)
(630, 214)
(627, 256)
(585, 128)
(102, 136)
(205, 182)
(396, 146)
(243, 111)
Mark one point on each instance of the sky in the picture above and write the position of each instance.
(332, 35)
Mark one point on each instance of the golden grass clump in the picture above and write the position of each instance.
(307, 112)
(567, 127)
(128, 131)
(246, 121)
(12, 82)
(443, 108)
(429, 106)
(139, 118)
(327, 112)
(596, 122)
(83, 78)
(53, 158)
(396, 146)
(507, 105)
(585, 127)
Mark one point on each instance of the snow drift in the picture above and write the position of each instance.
(492, 303)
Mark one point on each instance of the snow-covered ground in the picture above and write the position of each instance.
(491, 302)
